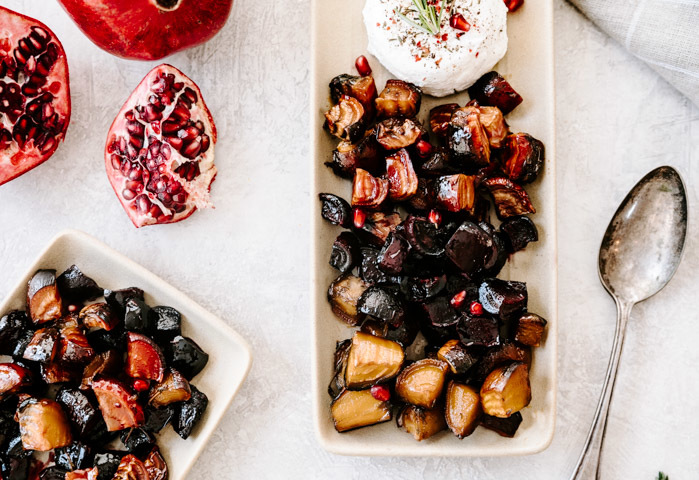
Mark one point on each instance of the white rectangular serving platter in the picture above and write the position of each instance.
(229, 354)
(338, 38)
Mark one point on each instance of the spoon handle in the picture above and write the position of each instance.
(588, 466)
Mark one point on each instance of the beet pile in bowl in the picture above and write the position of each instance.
(93, 382)
(441, 341)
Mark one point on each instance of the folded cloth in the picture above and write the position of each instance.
(662, 33)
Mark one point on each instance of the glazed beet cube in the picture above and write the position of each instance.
(438, 164)
(138, 316)
(366, 154)
(190, 412)
(13, 378)
(58, 372)
(82, 413)
(467, 140)
(393, 254)
(522, 157)
(362, 88)
(404, 334)
(43, 299)
(137, 441)
(367, 190)
(53, 473)
(519, 231)
(185, 356)
(379, 303)
(99, 315)
(158, 418)
(44, 346)
(168, 322)
(494, 91)
(335, 210)
(510, 199)
(74, 346)
(119, 405)
(506, 427)
(347, 120)
(117, 298)
(419, 289)
(480, 331)
(377, 226)
(402, 180)
(144, 359)
(423, 236)
(503, 298)
(103, 340)
(470, 248)
(369, 270)
(43, 425)
(346, 253)
(499, 258)
(106, 363)
(398, 133)
(75, 456)
(441, 313)
(398, 99)
(107, 463)
(12, 327)
(454, 193)
(440, 116)
(75, 287)
(22, 343)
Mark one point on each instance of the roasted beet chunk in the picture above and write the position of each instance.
(369, 270)
(367, 190)
(423, 236)
(190, 413)
(470, 248)
(119, 405)
(347, 120)
(82, 413)
(335, 210)
(402, 180)
(76, 287)
(158, 418)
(481, 331)
(138, 316)
(75, 456)
(419, 289)
(74, 346)
(506, 427)
(43, 347)
(13, 378)
(22, 343)
(379, 303)
(510, 199)
(519, 231)
(12, 326)
(493, 90)
(454, 193)
(52, 473)
(393, 254)
(168, 323)
(345, 254)
(117, 298)
(499, 258)
(377, 226)
(503, 298)
(103, 340)
(397, 133)
(438, 164)
(522, 157)
(467, 139)
(43, 425)
(366, 154)
(185, 356)
(99, 315)
(144, 358)
(397, 99)
(107, 463)
(137, 441)
(361, 88)
(43, 299)
(440, 116)
(439, 321)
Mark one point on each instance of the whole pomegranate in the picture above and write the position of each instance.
(160, 149)
(148, 29)
(34, 94)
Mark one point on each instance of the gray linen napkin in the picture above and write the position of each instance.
(662, 33)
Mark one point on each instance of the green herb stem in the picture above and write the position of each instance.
(428, 20)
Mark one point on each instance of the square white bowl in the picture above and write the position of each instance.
(338, 38)
(229, 354)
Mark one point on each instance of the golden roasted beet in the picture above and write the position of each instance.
(173, 388)
(44, 346)
(12, 378)
(118, 404)
(454, 193)
(131, 468)
(510, 199)
(422, 382)
(372, 360)
(530, 329)
(494, 124)
(503, 354)
(402, 179)
(108, 362)
(337, 384)
(42, 425)
(467, 139)
(457, 356)
(522, 157)
(144, 359)
(43, 298)
(397, 133)
(506, 390)
(347, 119)
(343, 296)
(361, 88)
(440, 116)
(420, 422)
(57, 372)
(74, 347)
(99, 315)
(365, 154)
(463, 409)
(398, 98)
(358, 408)
(367, 190)
(156, 466)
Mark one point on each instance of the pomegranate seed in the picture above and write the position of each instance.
(458, 299)
(435, 217)
(359, 218)
(140, 385)
(513, 5)
(380, 393)
(72, 308)
(458, 22)
(363, 66)
(476, 308)
(423, 148)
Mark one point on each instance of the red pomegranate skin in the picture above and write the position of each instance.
(148, 29)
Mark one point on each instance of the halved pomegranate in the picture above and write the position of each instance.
(160, 149)
(148, 29)
(34, 94)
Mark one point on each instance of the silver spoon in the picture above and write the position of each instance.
(640, 253)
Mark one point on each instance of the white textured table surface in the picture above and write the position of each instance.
(247, 261)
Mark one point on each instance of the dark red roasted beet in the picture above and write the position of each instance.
(347, 120)
(495, 125)
(367, 190)
(480, 331)
(168, 323)
(107, 463)
(423, 199)
(493, 90)
(335, 210)
(75, 456)
(506, 427)
(13, 378)
(22, 343)
(138, 316)
(12, 327)
(499, 258)
(438, 164)
(362, 88)
(519, 231)
(84, 416)
(423, 236)
(522, 157)
(377, 226)
(75, 287)
(117, 298)
(105, 363)
(74, 347)
(439, 321)
(158, 418)
(366, 154)
(118, 404)
(185, 356)
(468, 141)
(440, 116)
(397, 133)
(510, 199)
(43, 299)
(190, 413)
(503, 298)
(506, 352)
(369, 270)
(156, 466)
(345, 254)
(131, 468)
(404, 334)
(398, 99)
(15, 468)
(454, 193)
(52, 473)
(402, 180)
(59, 372)
(419, 289)
(144, 358)
(470, 248)
(393, 254)
(137, 441)
(377, 302)
(99, 315)
(44, 346)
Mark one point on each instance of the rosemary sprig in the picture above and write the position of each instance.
(429, 21)
(662, 476)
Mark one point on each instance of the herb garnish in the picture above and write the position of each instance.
(429, 20)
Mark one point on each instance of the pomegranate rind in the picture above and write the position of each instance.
(118, 26)
(198, 189)
(14, 26)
